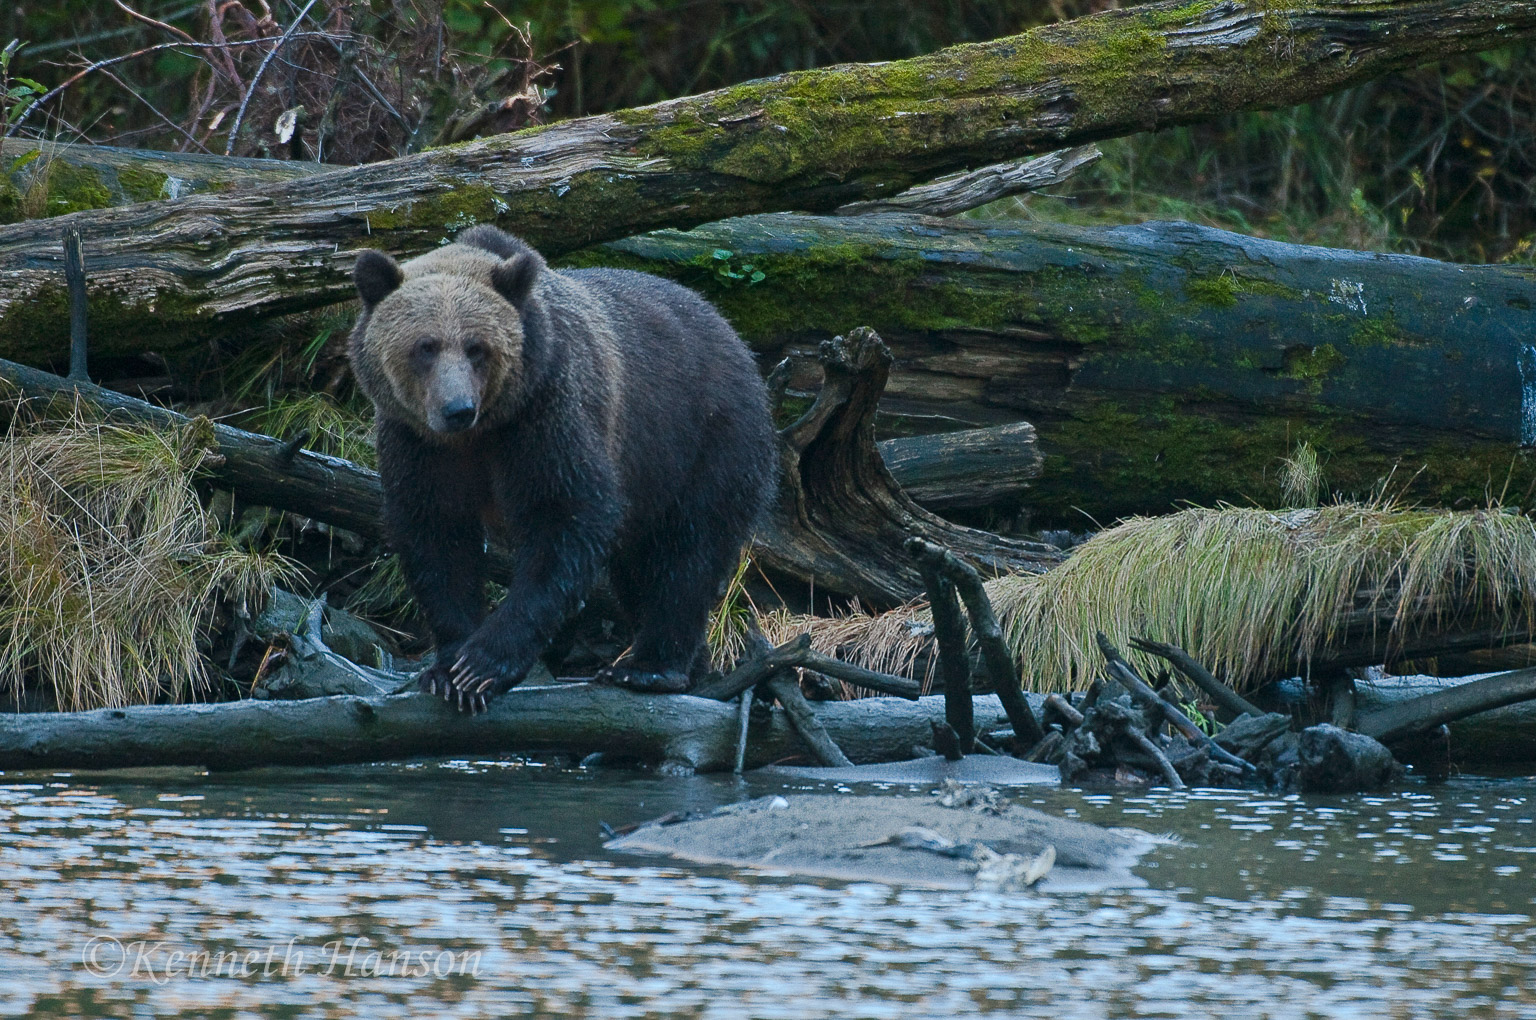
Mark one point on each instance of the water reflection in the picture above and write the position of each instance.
(352, 886)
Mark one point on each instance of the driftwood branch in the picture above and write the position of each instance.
(1431, 710)
(1226, 699)
(954, 661)
(956, 193)
(1002, 670)
(1121, 672)
(802, 719)
(573, 718)
(813, 140)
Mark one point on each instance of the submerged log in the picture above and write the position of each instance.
(577, 718)
(813, 140)
(1160, 362)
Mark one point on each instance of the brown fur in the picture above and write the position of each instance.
(596, 417)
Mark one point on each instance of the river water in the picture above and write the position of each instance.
(481, 889)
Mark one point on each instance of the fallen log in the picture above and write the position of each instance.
(841, 533)
(968, 468)
(1495, 737)
(45, 179)
(1428, 711)
(806, 140)
(1161, 362)
(683, 731)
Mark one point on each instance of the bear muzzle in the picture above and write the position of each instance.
(458, 414)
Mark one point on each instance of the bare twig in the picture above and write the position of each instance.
(282, 40)
(109, 61)
(151, 21)
(1226, 698)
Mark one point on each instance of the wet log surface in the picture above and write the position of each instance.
(811, 140)
(688, 732)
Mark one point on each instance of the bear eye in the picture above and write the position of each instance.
(428, 348)
(475, 350)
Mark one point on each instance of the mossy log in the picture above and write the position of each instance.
(45, 179)
(1161, 362)
(812, 140)
(679, 730)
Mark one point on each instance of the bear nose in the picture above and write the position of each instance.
(459, 414)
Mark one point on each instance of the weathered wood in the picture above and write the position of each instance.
(1431, 710)
(813, 140)
(840, 517)
(1143, 695)
(1159, 362)
(42, 179)
(1499, 736)
(967, 468)
(802, 719)
(575, 718)
(957, 193)
(1001, 667)
(954, 664)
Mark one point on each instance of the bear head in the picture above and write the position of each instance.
(440, 343)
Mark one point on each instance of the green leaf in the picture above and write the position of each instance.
(722, 254)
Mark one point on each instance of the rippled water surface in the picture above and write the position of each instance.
(482, 890)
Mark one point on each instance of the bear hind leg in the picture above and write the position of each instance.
(670, 588)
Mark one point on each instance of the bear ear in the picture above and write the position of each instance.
(515, 277)
(376, 275)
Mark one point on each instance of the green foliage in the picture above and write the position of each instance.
(16, 92)
(726, 271)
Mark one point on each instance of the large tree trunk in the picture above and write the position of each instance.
(807, 140)
(1158, 362)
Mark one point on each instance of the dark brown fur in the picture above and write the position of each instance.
(594, 418)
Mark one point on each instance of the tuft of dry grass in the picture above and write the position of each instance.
(114, 569)
(1251, 593)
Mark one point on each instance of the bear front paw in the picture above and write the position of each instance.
(468, 682)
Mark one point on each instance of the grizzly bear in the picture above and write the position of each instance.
(592, 419)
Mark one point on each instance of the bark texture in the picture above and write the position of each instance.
(810, 140)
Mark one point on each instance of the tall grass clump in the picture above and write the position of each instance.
(1251, 593)
(113, 568)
